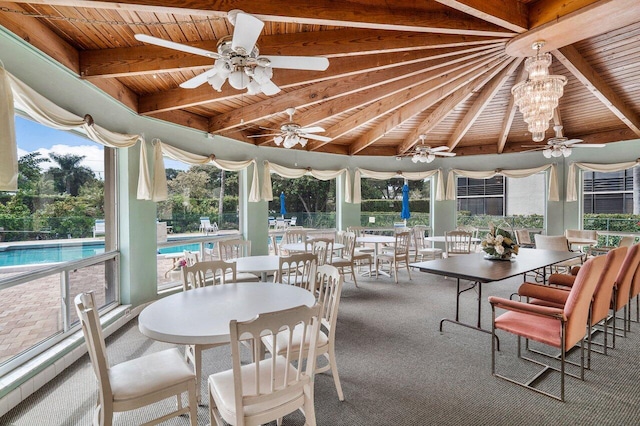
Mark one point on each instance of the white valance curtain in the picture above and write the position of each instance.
(15, 92)
(517, 173)
(267, 188)
(572, 190)
(360, 173)
(156, 189)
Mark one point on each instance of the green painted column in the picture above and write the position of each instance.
(137, 223)
(347, 214)
(254, 223)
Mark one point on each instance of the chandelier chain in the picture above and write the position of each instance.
(105, 21)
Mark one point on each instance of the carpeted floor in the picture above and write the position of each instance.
(396, 368)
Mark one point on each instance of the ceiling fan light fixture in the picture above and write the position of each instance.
(566, 151)
(238, 79)
(538, 96)
(546, 152)
(303, 142)
(430, 157)
(217, 81)
(253, 88)
(555, 152)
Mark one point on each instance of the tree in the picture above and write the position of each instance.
(29, 172)
(69, 176)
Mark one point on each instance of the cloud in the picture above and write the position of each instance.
(93, 156)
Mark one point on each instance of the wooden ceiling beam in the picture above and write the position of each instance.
(450, 102)
(510, 14)
(328, 110)
(578, 66)
(41, 37)
(148, 59)
(414, 16)
(486, 95)
(340, 67)
(186, 119)
(408, 111)
(119, 92)
(400, 95)
(593, 19)
(310, 95)
(510, 113)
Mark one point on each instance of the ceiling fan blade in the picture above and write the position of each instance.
(572, 141)
(314, 129)
(440, 148)
(264, 135)
(445, 154)
(175, 46)
(310, 63)
(315, 137)
(534, 146)
(246, 32)
(198, 80)
(537, 148)
(591, 145)
(269, 88)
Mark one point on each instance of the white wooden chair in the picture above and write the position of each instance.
(423, 252)
(206, 227)
(397, 254)
(268, 389)
(556, 243)
(329, 288)
(99, 228)
(138, 382)
(323, 249)
(297, 269)
(359, 231)
(200, 274)
(232, 249)
(349, 260)
(457, 242)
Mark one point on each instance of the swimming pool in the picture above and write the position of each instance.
(55, 253)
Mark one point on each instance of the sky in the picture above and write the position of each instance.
(32, 136)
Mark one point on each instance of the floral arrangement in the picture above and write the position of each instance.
(180, 264)
(499, 243)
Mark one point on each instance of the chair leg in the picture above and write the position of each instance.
(193, 404)
(309, 409)
(334, 372)
(193, 354)
(353, 274)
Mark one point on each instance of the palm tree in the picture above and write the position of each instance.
(69, 176)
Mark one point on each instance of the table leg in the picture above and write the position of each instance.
(457, 320)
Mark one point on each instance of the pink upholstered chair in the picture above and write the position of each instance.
(561, 328)
(557, 297)
(623, 288)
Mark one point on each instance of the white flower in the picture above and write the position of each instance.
(499, 249)
(499, 239)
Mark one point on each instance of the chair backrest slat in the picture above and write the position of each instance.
(283, 378)
(210, 272)
(298, 269)
(233, 249)
(457, 242)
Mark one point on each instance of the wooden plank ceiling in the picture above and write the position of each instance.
(440, 68)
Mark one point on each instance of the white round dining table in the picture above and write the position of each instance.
(376, 240)
(201, 316)
(263, 265)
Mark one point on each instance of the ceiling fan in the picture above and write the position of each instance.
(291, 133)
(238, 58)
(559, 145)
(425, 154)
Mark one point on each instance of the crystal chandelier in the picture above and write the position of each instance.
(538, 96)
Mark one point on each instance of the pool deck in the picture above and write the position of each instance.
(30, 315)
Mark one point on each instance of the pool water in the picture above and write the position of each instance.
(17, 256)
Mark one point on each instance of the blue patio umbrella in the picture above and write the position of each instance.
(405, 213)
(283, 209)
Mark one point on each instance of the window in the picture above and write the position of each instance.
(202, 200)
(382, 202)
(609, 204)
(66, 187)
(312, 202)
(518, 201)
